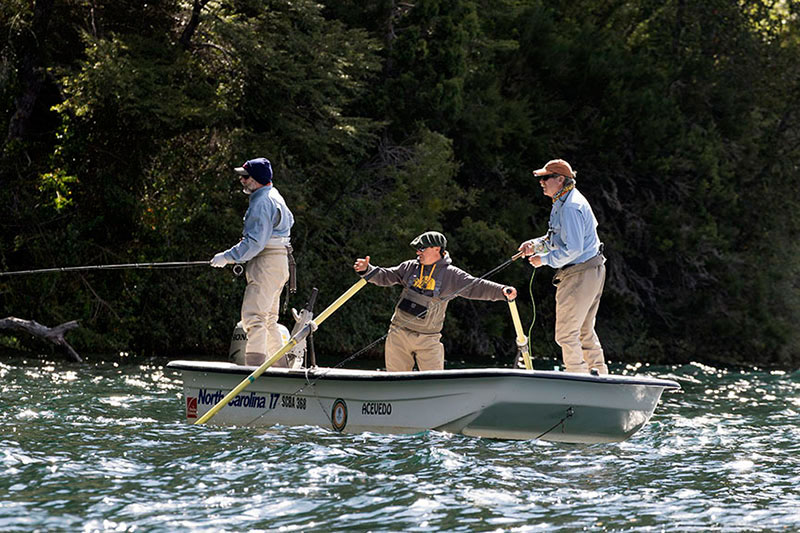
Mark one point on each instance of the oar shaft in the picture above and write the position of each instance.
(297, 337)
(512, 305)
(339, 301)
(522, 341)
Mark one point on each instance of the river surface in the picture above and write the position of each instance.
(104, 447)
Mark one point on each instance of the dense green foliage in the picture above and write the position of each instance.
(121, 122)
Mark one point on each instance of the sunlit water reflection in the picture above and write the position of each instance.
(105, 448)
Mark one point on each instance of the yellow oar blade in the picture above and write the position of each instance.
(300, 335)
(522, 341)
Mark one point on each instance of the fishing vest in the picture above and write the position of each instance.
(420, 308)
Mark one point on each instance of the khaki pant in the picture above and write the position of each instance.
(266, 273)
(404, 346)
(577, 300)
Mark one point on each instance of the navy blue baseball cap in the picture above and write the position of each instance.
(260, 169)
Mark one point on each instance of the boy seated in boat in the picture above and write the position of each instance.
(429, 282)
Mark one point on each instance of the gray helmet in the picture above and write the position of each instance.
(430, 238)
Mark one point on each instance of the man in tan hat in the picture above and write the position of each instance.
(429, 282)
(573, 248)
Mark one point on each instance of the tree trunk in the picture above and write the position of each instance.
(31, 75)
(194, 22)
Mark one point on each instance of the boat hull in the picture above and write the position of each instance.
(492, 403)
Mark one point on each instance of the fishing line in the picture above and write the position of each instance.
(533, 306)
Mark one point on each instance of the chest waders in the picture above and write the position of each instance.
(420, 309)
(420, 312)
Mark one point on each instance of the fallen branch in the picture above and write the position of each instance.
(54, 335)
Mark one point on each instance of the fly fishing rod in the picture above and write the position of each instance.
(178, 264)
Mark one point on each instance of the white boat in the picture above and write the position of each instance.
(491, 402)
(481, 402)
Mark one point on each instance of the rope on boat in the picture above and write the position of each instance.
(569, 414)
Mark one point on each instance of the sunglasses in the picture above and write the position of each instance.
(422, 248)
(548, 176)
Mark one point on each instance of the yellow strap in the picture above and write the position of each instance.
(420, 283)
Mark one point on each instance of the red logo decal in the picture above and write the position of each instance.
(191, 407)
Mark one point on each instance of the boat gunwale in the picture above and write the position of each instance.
(328, 373)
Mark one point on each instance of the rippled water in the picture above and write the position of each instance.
(105, 448)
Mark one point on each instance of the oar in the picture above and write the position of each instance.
(522, 341)
(297, 337)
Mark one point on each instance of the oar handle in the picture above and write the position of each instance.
(339, 301)
(522, 341)
(297, 337)
(344, 297)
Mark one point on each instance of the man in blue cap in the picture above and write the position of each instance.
(265, 247)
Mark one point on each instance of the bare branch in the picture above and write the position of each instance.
(54, 335)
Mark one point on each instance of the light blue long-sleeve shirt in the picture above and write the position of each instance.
(573, 232)
(266, 217)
